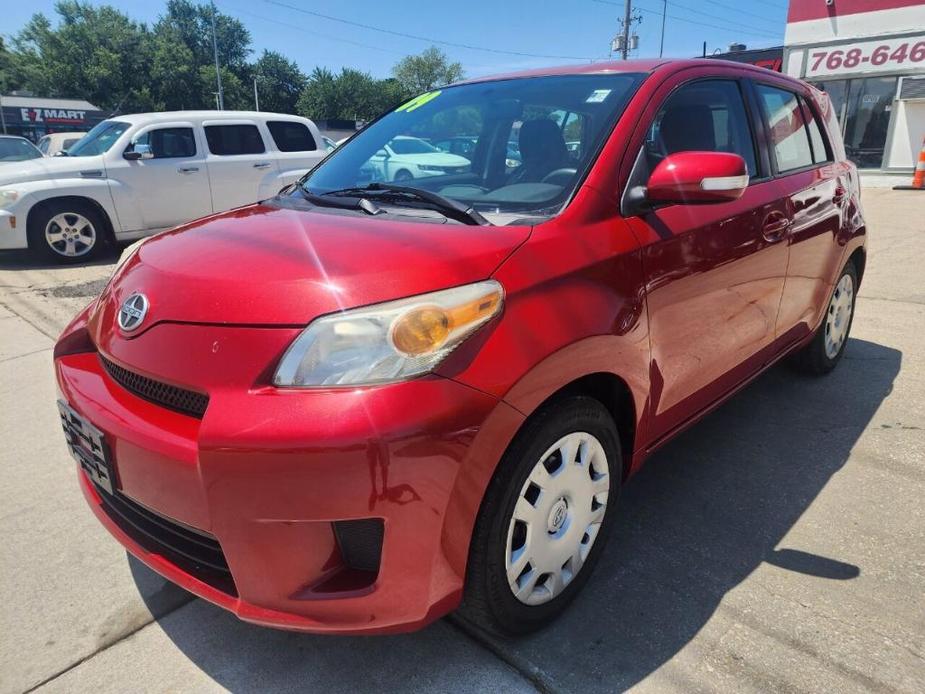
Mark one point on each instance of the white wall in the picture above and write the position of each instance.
(908, 131)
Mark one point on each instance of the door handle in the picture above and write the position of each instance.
(775, 226)
(188, 169)
(839, 196)
(262, 165)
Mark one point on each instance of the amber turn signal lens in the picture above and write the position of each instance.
(427, 328)
(421, 330)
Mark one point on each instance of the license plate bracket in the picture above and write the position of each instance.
(88, 446)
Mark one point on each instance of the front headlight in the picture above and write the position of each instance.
(8, 197)
(431, 167)
(387, 342)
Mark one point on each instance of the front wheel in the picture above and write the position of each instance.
(545, 518)
(66, 232)
(821, 355)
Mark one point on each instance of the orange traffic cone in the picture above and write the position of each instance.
(918, 179)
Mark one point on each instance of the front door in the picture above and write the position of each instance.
(170, 189)
(714, 272)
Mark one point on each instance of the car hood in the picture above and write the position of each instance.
(266, 265)
(47, 168)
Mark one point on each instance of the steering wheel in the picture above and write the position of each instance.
(559, 177)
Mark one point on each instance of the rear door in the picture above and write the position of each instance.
(298, 148)
(812, 186)
(167, 190)
(714, 272)
(239, 162)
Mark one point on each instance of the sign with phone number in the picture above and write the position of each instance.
(869, 56)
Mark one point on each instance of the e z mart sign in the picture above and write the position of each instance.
(52, 115)
(885, 55)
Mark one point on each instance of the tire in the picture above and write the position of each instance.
(79, 227)
(825, 350)
(500, 542)
(403, 176)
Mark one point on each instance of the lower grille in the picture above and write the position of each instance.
(195, 552)
(187, 402)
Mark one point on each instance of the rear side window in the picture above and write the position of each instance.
(234, 139)
(703, 116)
(816, 138)
(291, 137)
(784, 120)
(169, 143)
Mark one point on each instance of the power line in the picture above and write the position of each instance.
(427, 39)
(734, 22)
(692, 21)
(319, 34)
(746, 12)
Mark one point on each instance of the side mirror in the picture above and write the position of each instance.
(382, 153)
(139, 151)
(697, 177)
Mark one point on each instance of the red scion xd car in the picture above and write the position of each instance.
(362, 404)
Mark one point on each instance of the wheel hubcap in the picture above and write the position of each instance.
(70, 234)
(838, 318)
(556, 518)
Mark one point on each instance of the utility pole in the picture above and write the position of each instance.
(256, 102)
(661, 45)
(625, 48)
(218, 72)
(2, 117)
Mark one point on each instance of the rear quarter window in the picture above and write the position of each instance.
(234, 139)
(291, 136)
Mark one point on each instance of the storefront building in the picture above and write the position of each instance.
(869, 55)
(32, 117)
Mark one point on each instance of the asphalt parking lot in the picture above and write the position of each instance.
(779, 545)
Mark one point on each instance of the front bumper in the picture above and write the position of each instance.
(13, 237)
(266, 473)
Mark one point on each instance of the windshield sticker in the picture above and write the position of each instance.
(419, 101)
(597, 96)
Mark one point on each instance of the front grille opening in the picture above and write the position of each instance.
(360, 543)
(187, 402)
(193, 551)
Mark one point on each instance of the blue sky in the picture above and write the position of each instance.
(579, 28)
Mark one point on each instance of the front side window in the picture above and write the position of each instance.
(44, 143)
(290, 136)
(502, 147)
(15, 149)
(234, 139)
(702, 116)
(169, 143)
(784, 121)
(99, 139)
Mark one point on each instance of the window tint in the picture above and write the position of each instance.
(816, 138)
(291, 137)
(234, 139)
(784, 119)
(169, 143)
(703, 116)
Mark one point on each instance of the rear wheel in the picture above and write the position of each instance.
(545, 518)
(828, 344)
(66, 231)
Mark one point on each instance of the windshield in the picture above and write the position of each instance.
(14, 149)
(98, 140)
(528, 142)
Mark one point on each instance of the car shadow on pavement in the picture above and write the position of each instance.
(703, 513)
(26, 260)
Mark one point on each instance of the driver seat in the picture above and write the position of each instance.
(542, 151)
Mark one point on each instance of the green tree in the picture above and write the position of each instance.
(279, 82)
(349, 95)
(96, 53)
(430, 69)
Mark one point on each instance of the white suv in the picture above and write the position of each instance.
(131, 176)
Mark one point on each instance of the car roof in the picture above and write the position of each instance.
(633, 66)
(163, 116)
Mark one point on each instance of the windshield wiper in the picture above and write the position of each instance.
(357, 203)
(395, 193)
